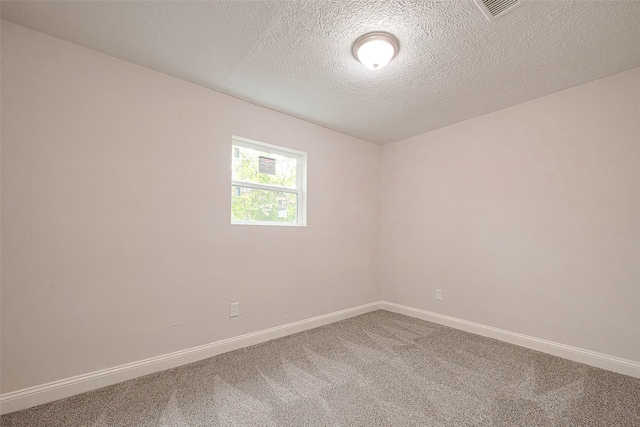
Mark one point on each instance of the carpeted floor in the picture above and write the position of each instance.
(378, 369)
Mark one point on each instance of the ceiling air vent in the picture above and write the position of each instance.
(494, 9)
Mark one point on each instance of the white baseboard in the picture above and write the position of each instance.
(32, 396)
(588, 357)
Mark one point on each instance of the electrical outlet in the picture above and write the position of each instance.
(234, 310)
(439, 294)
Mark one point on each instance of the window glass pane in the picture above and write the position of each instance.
(248, 204)
(262, 167)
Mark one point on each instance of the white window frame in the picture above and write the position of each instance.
(301, 180)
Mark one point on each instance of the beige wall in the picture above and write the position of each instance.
(116, 236)
(528, 218)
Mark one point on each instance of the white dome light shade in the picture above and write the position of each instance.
(375, 50)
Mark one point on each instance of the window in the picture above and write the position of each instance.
(268, 184)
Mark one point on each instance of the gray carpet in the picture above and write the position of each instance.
(378, 369)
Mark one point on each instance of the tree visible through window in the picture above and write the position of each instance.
(268, 184)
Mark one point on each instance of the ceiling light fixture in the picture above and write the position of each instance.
(375, 50)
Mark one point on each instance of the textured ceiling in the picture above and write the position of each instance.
(295, 57)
